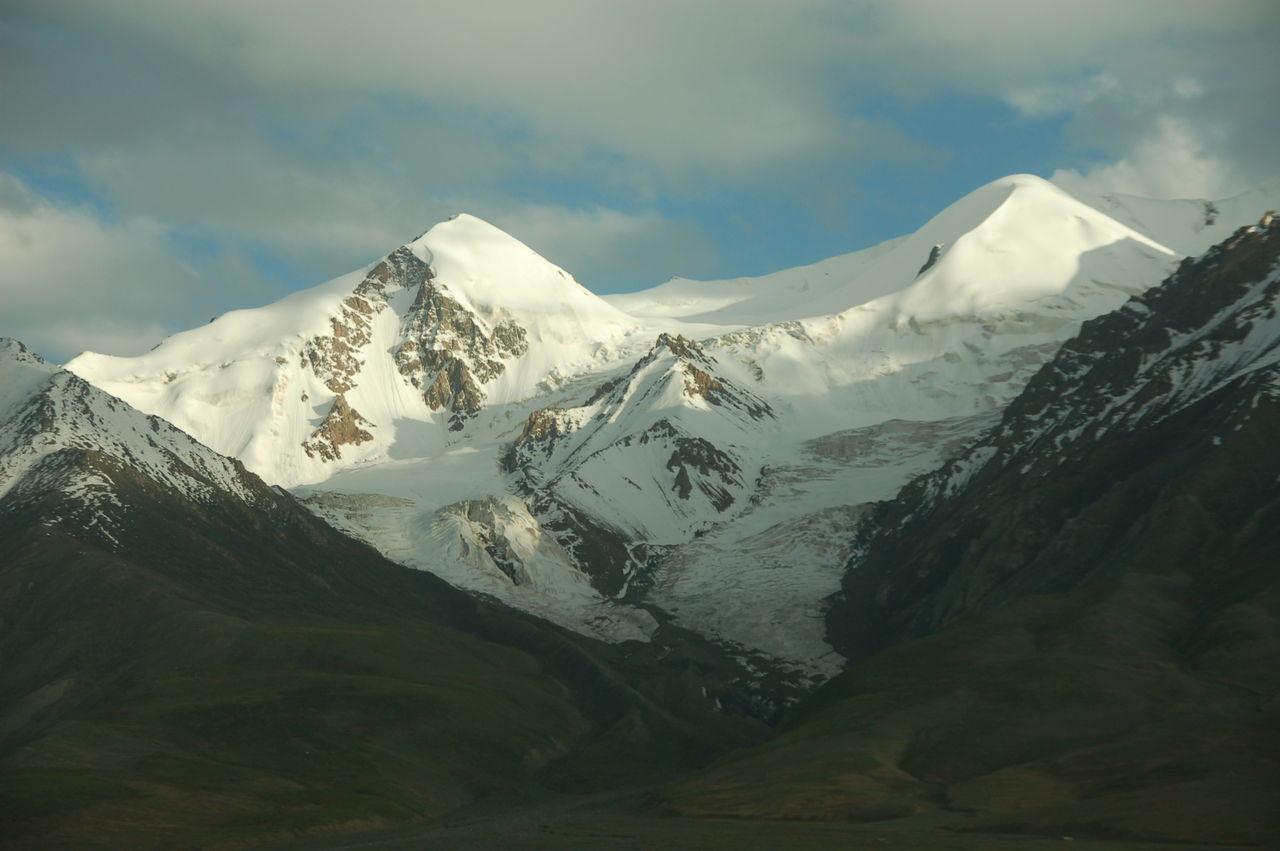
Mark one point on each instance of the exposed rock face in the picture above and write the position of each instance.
(342, 425)
(542, 424)
(449, 354)
(599, 550)
(702, 457)
(697, 365)
(539, 435)
(485, 524)
(934, 254)
(575, 465)
(546, 428)
(335, 357)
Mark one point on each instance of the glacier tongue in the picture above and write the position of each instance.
(700, 451)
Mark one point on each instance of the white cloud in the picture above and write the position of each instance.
(70, 281)
(1058, 97)
(1170, 163)
(326, 131)
(711, 85)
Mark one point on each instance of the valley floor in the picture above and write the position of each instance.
(629, 819)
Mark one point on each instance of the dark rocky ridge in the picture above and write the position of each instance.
(1073, 629)
(935, 254)
(1152, 422)
(201, 664)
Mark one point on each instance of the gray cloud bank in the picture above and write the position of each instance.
(326, 132)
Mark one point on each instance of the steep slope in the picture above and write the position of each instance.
(192, 658)
(467, 409)
(1202, 350)
(60, 434)
(656, 454)
(1188, 226)
(1072, 628)
(1024, 265)
(385, 361)
(1003, 245)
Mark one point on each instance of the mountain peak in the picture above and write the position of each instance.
(1016, 241)
(1024, 180)
(489, 270)
(11, 349)
(464, 226)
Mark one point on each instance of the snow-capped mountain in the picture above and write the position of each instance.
(1142, 446)
(467, 408)
(672, 429)
(1189, 226)
(61, 435)
(460, 319)
(1071, 628)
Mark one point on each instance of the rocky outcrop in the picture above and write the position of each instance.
(701, 384)
(709, 463)
(540, 434)
(449, 353)
(600, 551)
(335, 358)
(343, 425)
(934, 254)
(569, 461)
(700, 381)
(485, 522)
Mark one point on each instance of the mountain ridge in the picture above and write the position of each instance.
(419, 409)
(1069, 629)
(217, 665)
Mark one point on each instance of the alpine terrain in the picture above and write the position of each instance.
(968, 539)
(192, 657)
(1073, 627)
(691, 454)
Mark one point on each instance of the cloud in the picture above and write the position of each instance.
(665, 89)
(671, 85)
(612, 136)
(1170, 163)
(69, 281)
(72, 280)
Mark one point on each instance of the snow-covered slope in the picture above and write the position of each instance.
(1022, 264)
(59, 433)
(469, 409)
(655, 453)
(1189, 226)
(392, 356)
(1013, 240)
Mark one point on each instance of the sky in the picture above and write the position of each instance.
(163, 162)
